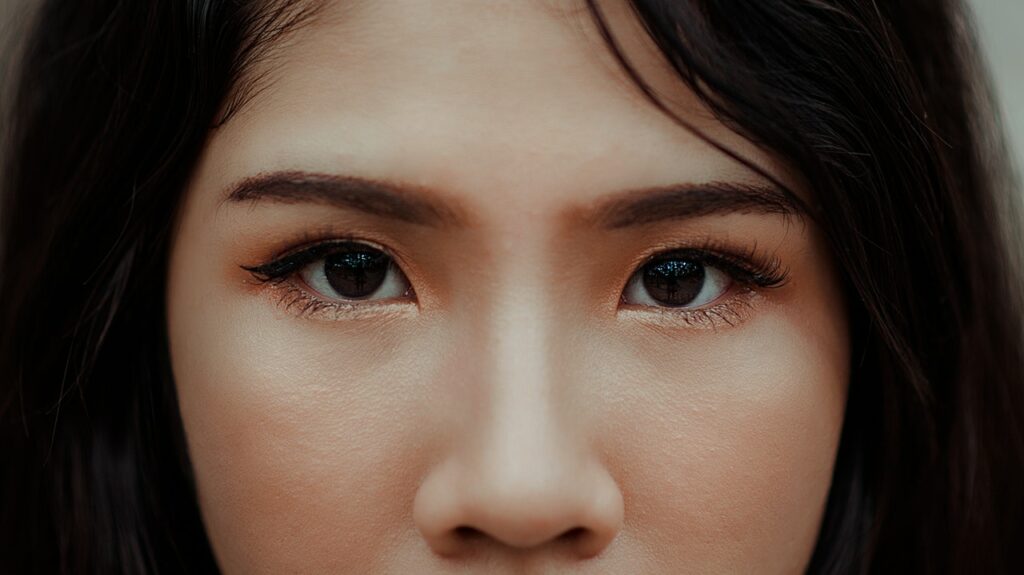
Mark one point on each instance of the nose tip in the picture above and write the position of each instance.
(458, 511)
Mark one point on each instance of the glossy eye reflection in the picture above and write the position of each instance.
(355, 271)
(676, 281)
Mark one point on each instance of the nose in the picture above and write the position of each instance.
(526, 499)
(521, 474)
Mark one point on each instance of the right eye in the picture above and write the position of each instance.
(339, 272)
(677, 282)
(355, 271)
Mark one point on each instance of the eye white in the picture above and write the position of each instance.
(394, 285)
(715, 283)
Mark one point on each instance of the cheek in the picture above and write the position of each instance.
(303, 442)
(728, 445)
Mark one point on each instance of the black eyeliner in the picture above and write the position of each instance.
(284, 266)
(747, 269)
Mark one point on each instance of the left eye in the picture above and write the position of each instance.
(355, 272)
(677, 282)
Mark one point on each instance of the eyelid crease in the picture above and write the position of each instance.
(746, 270)
(306, 253)
(760, 268)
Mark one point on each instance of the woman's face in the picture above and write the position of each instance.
(501, 315)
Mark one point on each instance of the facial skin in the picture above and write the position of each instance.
(511, 412)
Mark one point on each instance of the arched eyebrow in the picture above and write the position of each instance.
(422, 206)
(691, 200)
(382, 198)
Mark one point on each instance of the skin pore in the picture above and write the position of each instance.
(511, 400)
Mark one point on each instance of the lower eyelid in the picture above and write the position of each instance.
(296, 300)
(732, 311)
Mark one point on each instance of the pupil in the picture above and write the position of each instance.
(356, 274)
(674, 282)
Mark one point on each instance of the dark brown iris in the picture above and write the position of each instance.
(356, 273)
(673, 282)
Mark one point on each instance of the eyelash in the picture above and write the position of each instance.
(294, 260)
(749, 267)
(750, 270)
(293, 297)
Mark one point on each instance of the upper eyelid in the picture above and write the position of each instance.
(305, 252)
(327, 243)
(716, 259)
(749, 263)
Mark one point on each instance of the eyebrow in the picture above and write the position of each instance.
(685, 201)
(417, 205)
(381, 198)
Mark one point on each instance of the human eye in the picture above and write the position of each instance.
(702, 287)
(336, 276)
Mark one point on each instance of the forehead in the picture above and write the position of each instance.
(516, 96)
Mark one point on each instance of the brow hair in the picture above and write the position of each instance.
(680, 201)
(419, 205)
(382, 198)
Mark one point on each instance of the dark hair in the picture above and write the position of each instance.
(881, 107)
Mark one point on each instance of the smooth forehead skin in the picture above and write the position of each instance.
(516, 417)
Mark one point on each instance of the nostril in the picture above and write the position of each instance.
(467, 533)
(573, 535)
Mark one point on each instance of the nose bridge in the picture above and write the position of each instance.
(524, 441)
(518, 433)
(524, 431)
(519, 344)
(521, 474)
(521, 370)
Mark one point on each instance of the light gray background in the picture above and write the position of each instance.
(1001, 29)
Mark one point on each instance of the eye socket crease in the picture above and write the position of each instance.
(421, 206)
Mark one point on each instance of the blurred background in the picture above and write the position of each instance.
(1000, 24)
(1001, 30)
